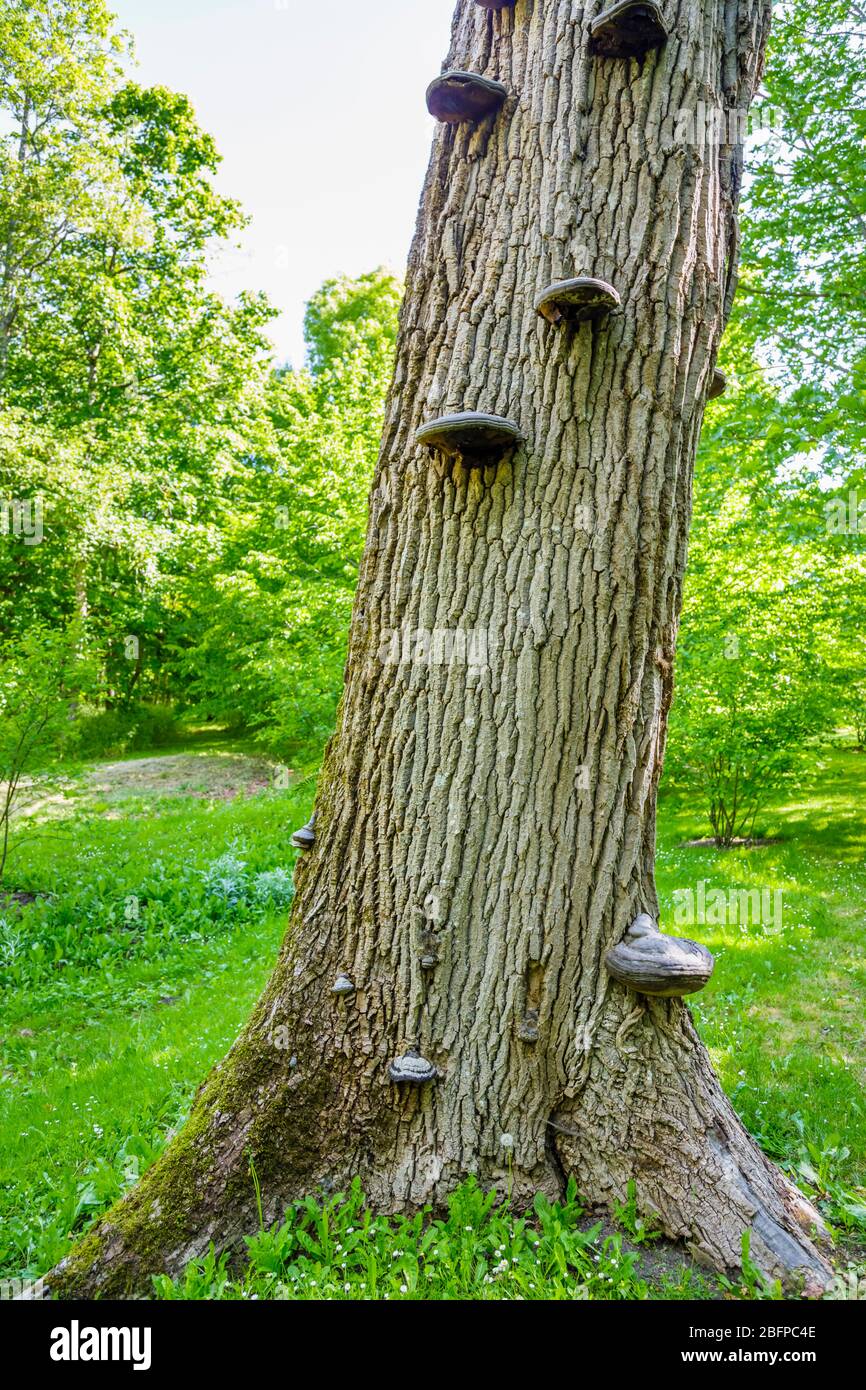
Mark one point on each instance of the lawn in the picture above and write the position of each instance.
(160, 890)
(784, 1013)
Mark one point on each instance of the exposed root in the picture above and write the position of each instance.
(663, 1120)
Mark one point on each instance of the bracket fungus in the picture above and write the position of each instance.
(577, 300)
(342, 985)
(457, 96)
(528, 1028)
(471, 436)
(496, 4)
(628, 29)
(412, 1069)
(652, 963)
(305, 838)
(718, 386)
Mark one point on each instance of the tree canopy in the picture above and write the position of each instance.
(202, 508)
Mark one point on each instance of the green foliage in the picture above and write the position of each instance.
(337, 1249)
(771, 653)
(130, 394)
(629, 1216)
(157, 905)
(101, 1055)
(804, 277)
(350, 320)
(116, 898)
(268, 613)
(782, 1016)
(760, 615)
(41, 677)
(131, 728)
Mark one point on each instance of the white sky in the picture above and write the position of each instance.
(317, 107)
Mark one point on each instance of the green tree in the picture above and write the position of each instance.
(131, 393)
(770, 653)
(41, 678)
(266, 615)
(762, 612)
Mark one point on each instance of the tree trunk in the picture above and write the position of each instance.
(486, 815)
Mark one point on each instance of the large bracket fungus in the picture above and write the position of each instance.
(628, 29)
(457, 96)
(581, 298)
(471, 436)
(412, 1069)
(651, 963)
(305, 838)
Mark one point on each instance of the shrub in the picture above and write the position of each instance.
(132, 729)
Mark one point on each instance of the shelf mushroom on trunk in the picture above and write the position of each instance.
(628, 30)
(719, 385)
(457, 96)
(471, 436)
(651, 963)
(305, 838)
(577, 300)
(412, 1069)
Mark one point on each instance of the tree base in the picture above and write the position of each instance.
(650, 1110)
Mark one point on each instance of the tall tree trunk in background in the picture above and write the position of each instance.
(485, 828)
(8, 296)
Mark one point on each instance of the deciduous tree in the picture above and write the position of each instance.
(485, 827)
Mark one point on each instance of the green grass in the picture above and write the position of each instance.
(783, 1015)
(164, 904)
(123, 984)
(339, 1250)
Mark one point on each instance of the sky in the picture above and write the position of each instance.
(317, 107)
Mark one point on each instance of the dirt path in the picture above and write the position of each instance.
(207, 776)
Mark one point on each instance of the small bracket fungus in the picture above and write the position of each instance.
(471, 436)
(343, 985)
(496, 4)
(412, 1069)
(651, 963)
(305, 838)
(577, 300)
(628, 29)
(528, 1030)
(429, 962)
(719, 385)
(463, 96)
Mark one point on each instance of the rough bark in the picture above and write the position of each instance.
(496, 818)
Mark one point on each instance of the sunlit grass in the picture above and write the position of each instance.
(105, 1042)
(784, 1013)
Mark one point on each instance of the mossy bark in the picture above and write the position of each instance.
(486, 816)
